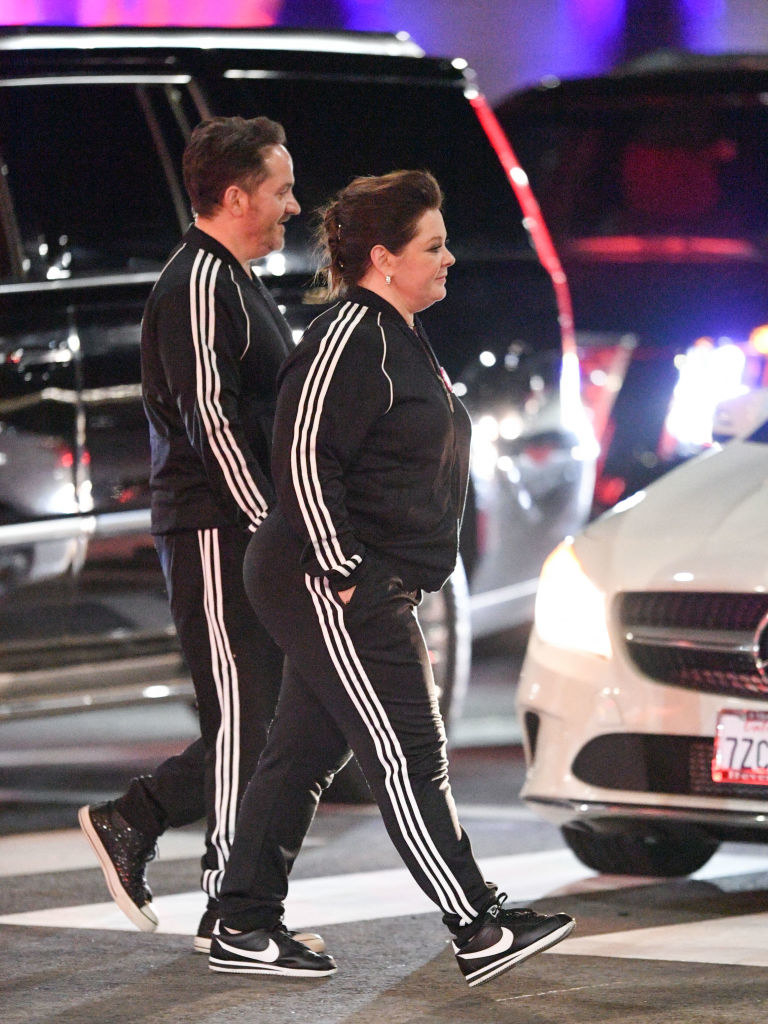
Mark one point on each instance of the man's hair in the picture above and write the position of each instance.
(226, 151)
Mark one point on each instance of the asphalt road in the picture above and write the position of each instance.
(657, 951)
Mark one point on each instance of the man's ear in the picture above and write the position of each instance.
(231, 201)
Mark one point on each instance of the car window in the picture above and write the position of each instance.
(648, 165)
(339, 129)
(90, 185)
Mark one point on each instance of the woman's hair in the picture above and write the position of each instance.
(383, 210)
(226, 151)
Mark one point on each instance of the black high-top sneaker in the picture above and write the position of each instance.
(263, 951)
(123, 853)
(505, 938)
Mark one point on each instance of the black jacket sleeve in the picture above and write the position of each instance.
(328, 399)
(201, 336)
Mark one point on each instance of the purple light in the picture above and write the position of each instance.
(219, 13)
(586, 36)
(369, 16)
(704, 24)
(600, 19)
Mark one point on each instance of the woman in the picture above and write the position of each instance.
(370, 461)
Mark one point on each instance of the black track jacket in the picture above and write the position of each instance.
(371, 450)
(211, 345)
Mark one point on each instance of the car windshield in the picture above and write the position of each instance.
(650, 166)
(339, 129)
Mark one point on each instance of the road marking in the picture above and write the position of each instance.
(373, 895)
(723, 940)
(559, 991)
(36, 853)
(333, 899)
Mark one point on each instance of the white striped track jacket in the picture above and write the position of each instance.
(211, 345)
(371, 448)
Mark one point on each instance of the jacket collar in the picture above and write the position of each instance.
(374, 301)
(202, 240)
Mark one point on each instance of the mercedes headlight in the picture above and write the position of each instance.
(570, 610)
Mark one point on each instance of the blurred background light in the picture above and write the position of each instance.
(221, 13)
(704, 24)
(511, 43)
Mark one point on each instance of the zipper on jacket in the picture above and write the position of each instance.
(439, 371)
(443, 378)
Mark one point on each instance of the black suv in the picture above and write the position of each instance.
(92, 128)
(653, 180)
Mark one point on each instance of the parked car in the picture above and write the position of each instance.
(644, 690)
(653, 180)
(92, 128)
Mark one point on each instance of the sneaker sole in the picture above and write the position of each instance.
(311, 940)
(513, 959)
(143, 917)
(232, 967)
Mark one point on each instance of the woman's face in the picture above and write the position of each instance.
(421, 267)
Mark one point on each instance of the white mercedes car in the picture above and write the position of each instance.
(644, 692)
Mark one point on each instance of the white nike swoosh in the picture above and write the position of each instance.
(265, 956)
(504, 943)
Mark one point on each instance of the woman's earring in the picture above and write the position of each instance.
(388, 279)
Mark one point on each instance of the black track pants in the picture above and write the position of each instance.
(356, 676)
(236, 669)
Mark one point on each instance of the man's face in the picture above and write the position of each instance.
(269, 206)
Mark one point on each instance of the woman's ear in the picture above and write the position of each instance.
(382, 259)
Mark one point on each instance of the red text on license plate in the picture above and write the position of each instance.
(741, 747)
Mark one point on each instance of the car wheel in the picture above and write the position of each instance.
(657, 853)
(444, 620)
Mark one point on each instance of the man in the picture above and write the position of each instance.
(212, 341)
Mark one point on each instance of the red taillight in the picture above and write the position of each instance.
(608, 490)
(67, 458)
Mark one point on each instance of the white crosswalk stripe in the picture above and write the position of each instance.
(725, 940)
(372, 895)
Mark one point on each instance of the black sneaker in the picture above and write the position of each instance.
(123, 853)
(202, 941)
(273, 952)
(506, 938)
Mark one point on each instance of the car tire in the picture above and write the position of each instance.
(445, 623)
(660, 853)
(444, 620)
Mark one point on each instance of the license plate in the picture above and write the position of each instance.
(741, 747)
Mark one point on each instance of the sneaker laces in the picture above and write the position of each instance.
(497, 907)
